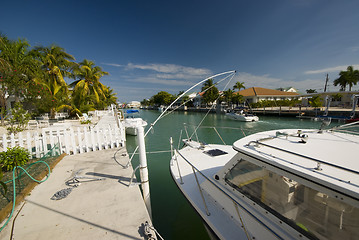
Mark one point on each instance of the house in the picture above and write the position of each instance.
(257, 94)
(133, 104)
(288, 89)
(197, 99)
(342, 99)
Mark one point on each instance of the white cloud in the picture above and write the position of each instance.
(155, 80)
(354, 49)
(332, 69)
(113, 64)
(170, 68)
(258, 81)
(146, 85)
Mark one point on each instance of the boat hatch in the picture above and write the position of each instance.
(310, 212)
(215, 152)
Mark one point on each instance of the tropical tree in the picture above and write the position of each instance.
(211, 92)
(17, 68)
(311, 91)
(162, 98)
(108, 98)
(239, 86)
(227, 96)
(349, 77)
(21, 65)
(337, 97)
(315, 101)
(145, 102)
(88, 90)
(5, 69)
(56, 65)
(237, 99)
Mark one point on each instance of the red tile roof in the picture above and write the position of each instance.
(258, 91)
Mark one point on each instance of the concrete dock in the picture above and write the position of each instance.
(101, 206)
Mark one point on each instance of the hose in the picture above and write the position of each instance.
(14, 185)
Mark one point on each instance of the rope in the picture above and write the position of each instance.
(240, 218)
(147, 232)
(219, 135)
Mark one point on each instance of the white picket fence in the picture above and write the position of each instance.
(71, 140)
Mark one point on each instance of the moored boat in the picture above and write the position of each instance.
(244, 117)
(286, 184)
(132, 120)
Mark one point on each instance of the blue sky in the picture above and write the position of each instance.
(150, 46)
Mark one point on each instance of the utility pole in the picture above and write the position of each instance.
(326, 83)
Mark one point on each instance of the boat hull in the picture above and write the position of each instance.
(131, 131)
(243, 117)
(217, 219)
(131, 125)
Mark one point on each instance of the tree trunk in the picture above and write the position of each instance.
(52, 113)
(3, 107)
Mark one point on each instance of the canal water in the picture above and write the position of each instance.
(173, 217)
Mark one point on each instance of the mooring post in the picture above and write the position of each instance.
(145, 184)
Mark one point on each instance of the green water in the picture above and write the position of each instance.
(172, 215)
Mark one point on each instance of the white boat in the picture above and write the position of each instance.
(279, 184)
(132, 120)
(161, 108)
(244, 117)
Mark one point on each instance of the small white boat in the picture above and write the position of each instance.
(132, 120)
(161, 108)
(287, 184)
(244, 117)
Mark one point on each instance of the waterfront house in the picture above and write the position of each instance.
(288, 89)
(257, 94)
(341, 99)
(133, 104)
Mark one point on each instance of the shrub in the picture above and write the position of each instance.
(86, 122)
(13, 157)
(19, 119)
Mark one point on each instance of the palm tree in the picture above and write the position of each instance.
(237, 99)
(56, 64)
(349, 77)
(88, 89)
(110, 96)
(239, 86)
(108, 99)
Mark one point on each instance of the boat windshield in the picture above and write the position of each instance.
(312, 213)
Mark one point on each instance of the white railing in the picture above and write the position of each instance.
(71, 140)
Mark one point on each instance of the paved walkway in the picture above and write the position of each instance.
(96, 209)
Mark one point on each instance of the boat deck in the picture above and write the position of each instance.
(201, 161)
(332, 160)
